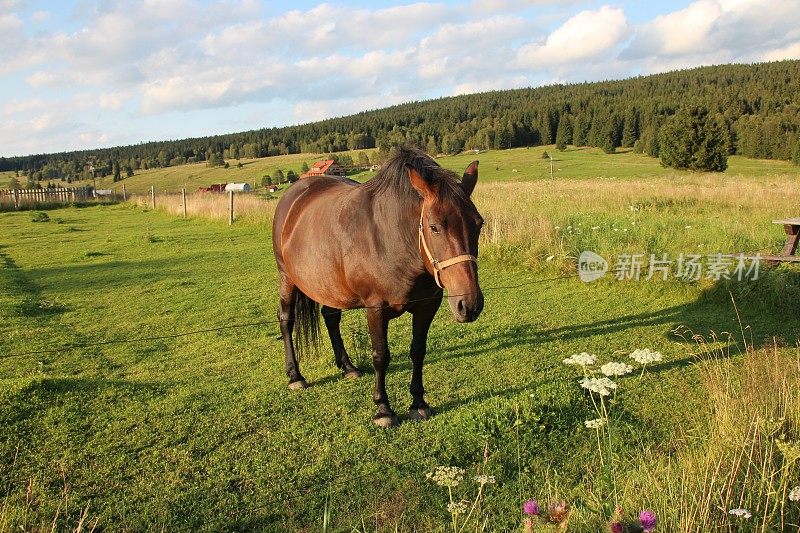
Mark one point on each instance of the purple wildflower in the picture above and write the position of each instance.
(648, 520)
(531, 507)
(616, 527)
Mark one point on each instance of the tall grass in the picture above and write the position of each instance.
(247, 208)
(554, 221)
(744, 453)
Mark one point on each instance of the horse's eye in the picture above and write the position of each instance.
(434, 229)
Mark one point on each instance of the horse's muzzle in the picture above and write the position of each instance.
(466, 308)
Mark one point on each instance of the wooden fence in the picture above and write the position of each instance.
(33, 198)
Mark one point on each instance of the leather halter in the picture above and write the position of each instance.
(438, 266)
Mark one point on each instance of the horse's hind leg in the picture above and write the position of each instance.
(333, 318)
(288, 296)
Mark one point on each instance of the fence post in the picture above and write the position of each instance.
(153, 195)
(124, 194)
(183, 195)
(230, 208)
(16, 199)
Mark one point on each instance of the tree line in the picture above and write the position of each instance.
(751, 110)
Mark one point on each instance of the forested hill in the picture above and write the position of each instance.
(758, 107)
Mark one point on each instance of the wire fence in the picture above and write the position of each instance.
(332, 483)
(78, 346)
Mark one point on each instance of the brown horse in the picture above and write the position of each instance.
(389, 246)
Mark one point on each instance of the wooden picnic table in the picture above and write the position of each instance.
(792, 228)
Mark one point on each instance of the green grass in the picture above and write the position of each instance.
(593, 163)
(193, 176)
(199, 432)
(517, 164)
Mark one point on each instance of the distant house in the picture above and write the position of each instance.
(329, 167)
(237, 187)
(217, 187)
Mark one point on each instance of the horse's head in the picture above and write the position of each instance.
(448, 239)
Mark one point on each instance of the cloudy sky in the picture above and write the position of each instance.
(85, 73)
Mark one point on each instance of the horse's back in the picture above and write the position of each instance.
(308, 237)
(319, 190)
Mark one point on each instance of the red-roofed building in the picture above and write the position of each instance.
(329, 167)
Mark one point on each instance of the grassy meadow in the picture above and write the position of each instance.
(193, 176)
(514, 165)
(198, 432)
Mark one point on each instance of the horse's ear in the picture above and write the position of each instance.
(470, 178)
(420, 184)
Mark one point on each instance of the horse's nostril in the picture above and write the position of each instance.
(461, 310)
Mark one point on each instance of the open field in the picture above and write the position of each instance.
(517, 164)
(172, 179)
(198, 432)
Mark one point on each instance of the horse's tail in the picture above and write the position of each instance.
(306, 321)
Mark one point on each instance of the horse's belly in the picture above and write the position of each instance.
(321, 278)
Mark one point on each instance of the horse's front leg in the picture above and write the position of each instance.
(421, 323)
(378, 323)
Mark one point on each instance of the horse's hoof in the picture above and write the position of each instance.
(423, 413)
(353, 374)
(298, 385)
(386, 421)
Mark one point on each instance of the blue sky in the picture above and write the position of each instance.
(86, 74)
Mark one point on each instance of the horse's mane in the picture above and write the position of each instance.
(393, 178)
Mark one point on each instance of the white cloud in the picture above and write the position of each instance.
(40, 16)
(714, 31)
(587, 35)
(313, 110)
(327, 27)
(491, 84)
(23, 106)
(9, 22)
(9, 5)
(158, 56)
(791, 51)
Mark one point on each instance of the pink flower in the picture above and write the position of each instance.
(648, 520)
(531, 507)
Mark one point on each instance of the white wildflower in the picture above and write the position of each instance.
(582, 359)
(741, 513)
(794, 494)
(458, 507)
(595, 228)
(616, 369)
(597, 423)
(645, 356)
(446, 476)
(483, 479)
(550, 258)
(601, 386)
